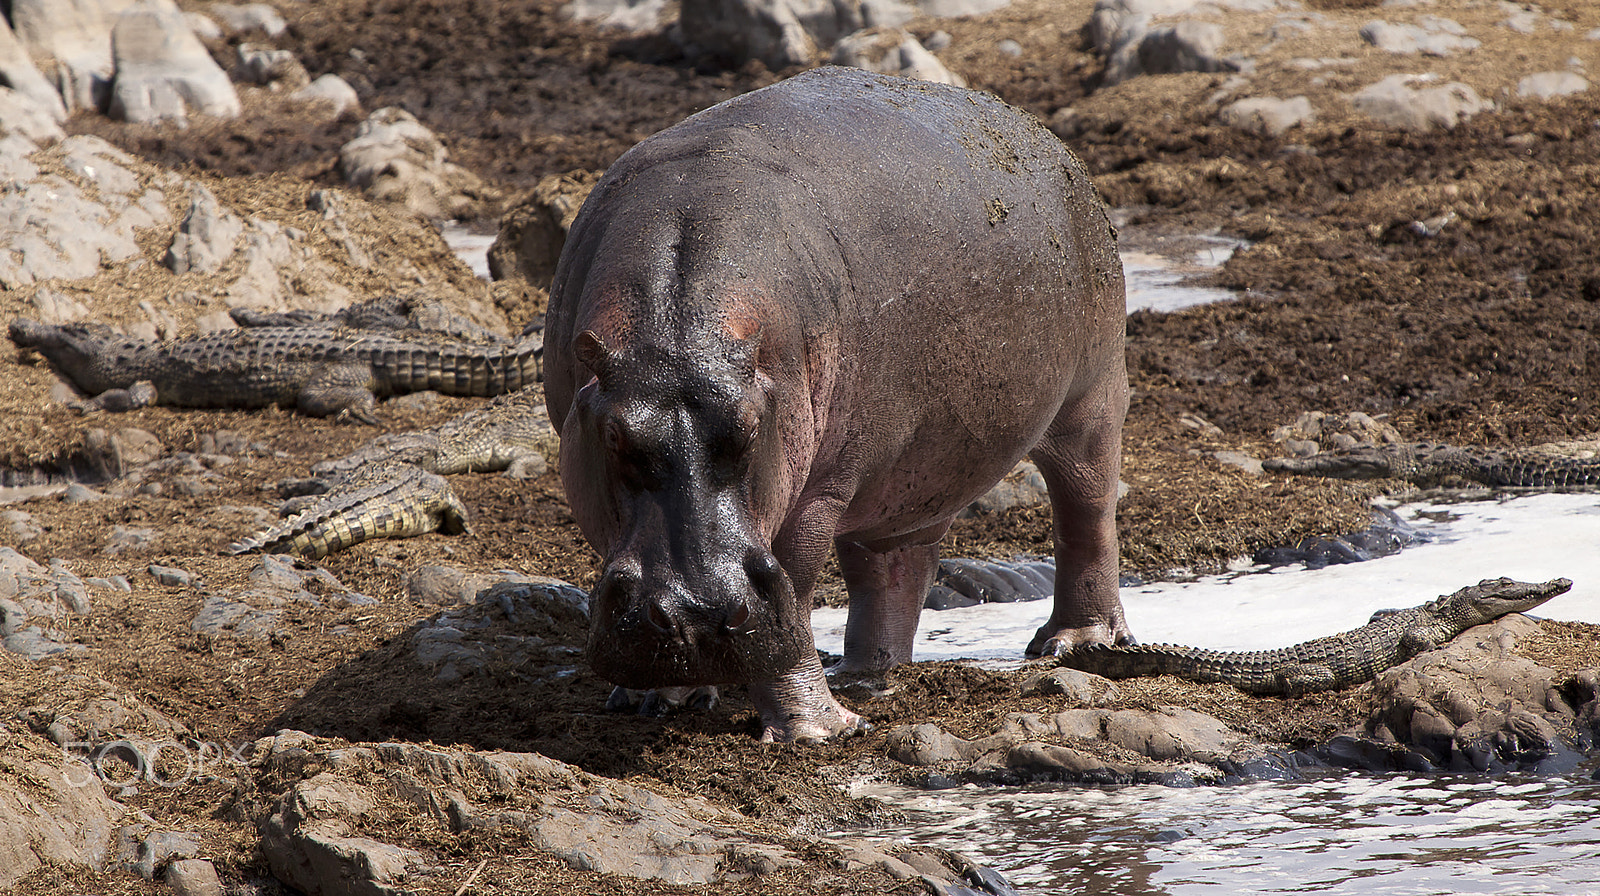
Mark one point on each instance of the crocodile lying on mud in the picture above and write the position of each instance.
(394, 486)
(1330, 663)
(321, 370)
(1427, 464)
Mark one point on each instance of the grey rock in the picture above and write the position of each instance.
(155, 849)
(124, 539)
(1393, 102)
(222, 616)
(1024, 486)
(329, 91)
(34, 92)
(1266, 115)
(269, 65)
(206, 237)
(203, 26)
(171, 577)
(115, 453)
(57, 230)
(625, 15)
(36, 643)
(1188, 46)
(512, 625)
(241, 18)
(12, 617)
(1476, 704)
(781, 33)
(162, 69)
(1549, 85)
(25, 117)
(77, 35)
(1239, 460)
(19, 526)
(1076, 686)
(892, 51)
(49, 815)
(78, 493)
(396, 159)
(193, 877)
(1433, 37)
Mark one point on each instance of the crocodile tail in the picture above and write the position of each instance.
(390, 504)
(1147, 659)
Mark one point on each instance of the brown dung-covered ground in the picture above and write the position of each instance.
(1478, 335)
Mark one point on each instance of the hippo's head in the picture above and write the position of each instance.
(671, 461)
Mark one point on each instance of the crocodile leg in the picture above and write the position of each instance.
(342, 390)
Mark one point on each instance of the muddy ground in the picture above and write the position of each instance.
(1480, 334)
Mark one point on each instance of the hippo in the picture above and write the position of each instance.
(832, 311)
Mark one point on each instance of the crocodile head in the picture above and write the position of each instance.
(1493, 598)
(87, 354)
(1383, 462)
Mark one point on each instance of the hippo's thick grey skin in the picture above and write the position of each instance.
(835, 310)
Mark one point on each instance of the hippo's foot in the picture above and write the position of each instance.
(797, 707)
(1052, 640)
(661, 701)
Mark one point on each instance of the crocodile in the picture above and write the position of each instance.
(321, 370)
(1337, 661)
(1427, 464)
(394, 486)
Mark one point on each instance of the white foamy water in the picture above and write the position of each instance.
(1340, 833)
(471, 248)
(1532, 538)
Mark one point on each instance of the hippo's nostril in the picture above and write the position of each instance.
(658, 617)
(765, 573)
(737, 617)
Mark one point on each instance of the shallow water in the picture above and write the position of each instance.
(1339, 832)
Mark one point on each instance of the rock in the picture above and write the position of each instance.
(19, 527)
(517, 624)
(1267, 116)
(1394, 103)
(928, 744)
(162, 69)
(1549, 85)
(589, 822)
(1188, 46)
(1077, 686)
(1433, 36)
(34, 108)
(1314, 425)
(51, 811)
(534, 230)
(329, 90)
(1250, 466)
(1474, 705)
(626, 15)
(396, 159)
(171, 577)
(193, 877)
(57, 230)
(1051, 762)
(77, 35)
(268, 65)
(780, 33)
(146, 855)
(207, 236)
(113, 454)
(1024, 486)
(26, 117)
(241, 18)
(12, 617)
(892, 51)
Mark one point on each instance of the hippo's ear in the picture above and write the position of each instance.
(592, 353)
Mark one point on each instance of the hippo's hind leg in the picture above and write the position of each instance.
(1080, 458)
(887, 589)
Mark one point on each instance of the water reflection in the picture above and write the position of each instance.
(1336, 833)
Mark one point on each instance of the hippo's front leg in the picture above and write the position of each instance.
(887, 590)
(797, 707)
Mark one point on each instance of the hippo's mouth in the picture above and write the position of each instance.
(640, 660)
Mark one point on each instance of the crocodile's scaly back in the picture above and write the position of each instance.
(1428, 464)
(1336, 661)
(322, 370)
